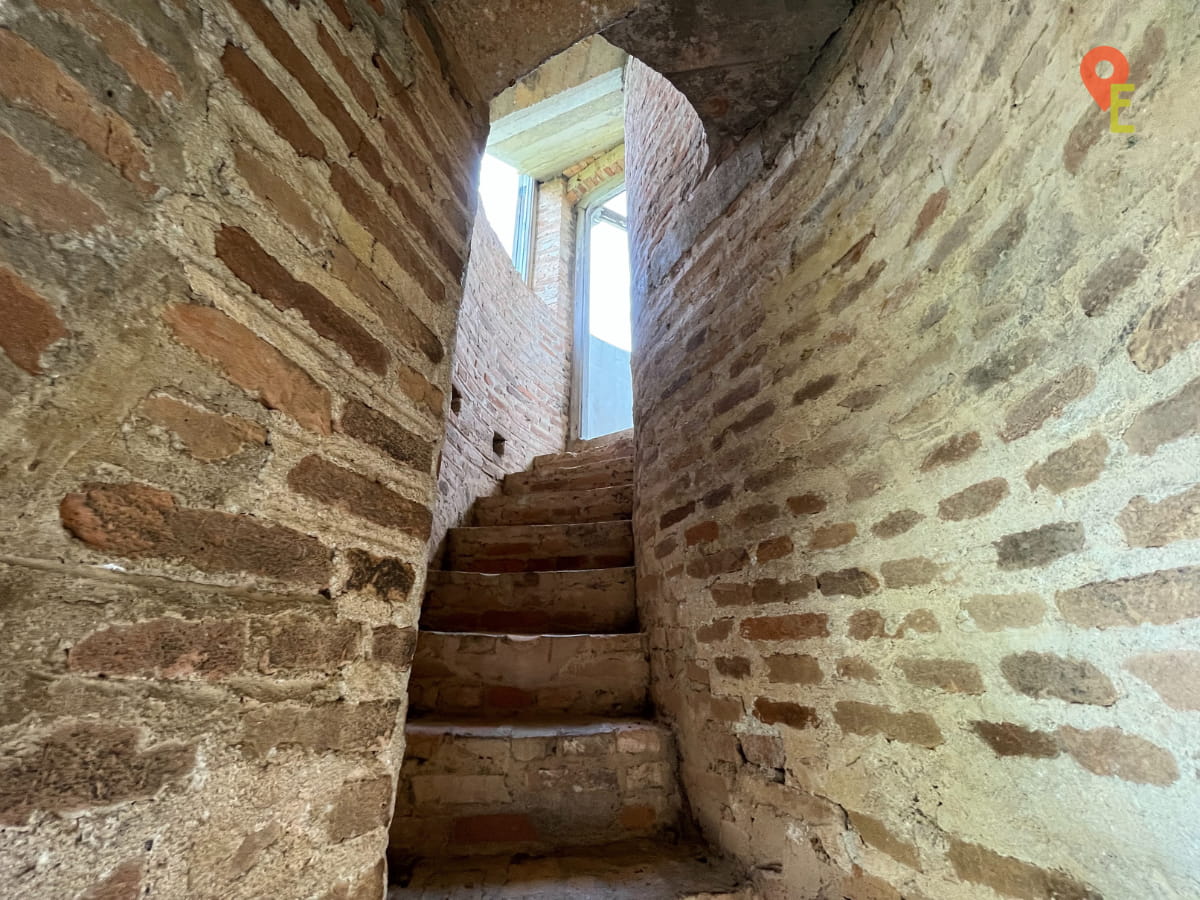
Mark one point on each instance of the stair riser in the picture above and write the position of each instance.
(579, 454)
(504, 678)
(533, 548)
(571, 478)
(556, 507)
(596, 602)
(463, 795)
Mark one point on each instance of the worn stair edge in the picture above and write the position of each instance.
(589, 601)
(533, 548)
(604, 504)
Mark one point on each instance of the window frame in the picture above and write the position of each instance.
(524, 225)
(590, 210)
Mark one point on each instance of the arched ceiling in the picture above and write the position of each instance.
(737, 61)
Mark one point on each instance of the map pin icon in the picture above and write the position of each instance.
(1099, 87)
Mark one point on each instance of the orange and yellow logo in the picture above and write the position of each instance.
(1107, 90)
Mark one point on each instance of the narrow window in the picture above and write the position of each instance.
(509, 199)
(497, 443)
(455, 400)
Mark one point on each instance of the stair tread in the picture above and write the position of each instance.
(567, 726)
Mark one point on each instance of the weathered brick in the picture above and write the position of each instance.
(267, 277)
(301, 642)
(782, 712)
(1013, 877)
(954, 676)
(897, 523)
(276, 193)
(494, 828)
(206, 435)
(868, 720)
(857, 669)
(122, 883)
(865, 624)
(638, 817)
(996, 612)
(360, 88)
(1112, 752)
(1174, 518)
(387, 578)
(252, 364)
(1174, 674)
(904, 573)
(763, 750)
(732, 594)
(793, 668)
(33, 191)
(1167, 330)
(32, 80)
(733, 666)
(1110, 280)
(137, 521)
(1040, 546)
(1046, 402)
(260, 92)
(795, 627)
(933, 208)
(864, 485)
(847, 582)
(973, 502)
(676, 515)
(342, 489)
(372, 427)
(31, 325)
(953, 450)
(818, 387)
(1009, 739)
(342, 727)
(1174, 418)
(162, 648)
(876, 834)
(827, 537)
(1072, 467)
(722, 563)
(86, 765)
(714, 632)
(756, 515)
(359, 807)
(806, 504)
(1042, 675)
(394, 646)
(772, 590)
(1157, 598)
(774, 548)
(748, 390)
(703, 533)
(1005, 364)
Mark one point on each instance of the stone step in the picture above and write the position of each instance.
(470, 788)
(593, 601)
(556, 507)
(533, 548)
(579, 452)
(511, 677)
(581, 476)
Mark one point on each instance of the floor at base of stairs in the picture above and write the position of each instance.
(637, 870)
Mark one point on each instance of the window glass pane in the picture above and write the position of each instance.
(617, 204)
(608, 295)
(499, 184)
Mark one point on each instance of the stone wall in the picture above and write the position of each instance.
(918, 422)
(231, 242)
(511, 378)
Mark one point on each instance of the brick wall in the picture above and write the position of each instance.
(511, 374)
(231, 242)
(918, 422)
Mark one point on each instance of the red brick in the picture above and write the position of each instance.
(1110, 280)
(954, 676)
(1167, 330)
(973, 502)
(50, 202)
(814, 389)
(906, 573)
(868, 720)
(341, 727)
(137, 521)
(277, 194)
(1047, 402)
(1165, 422)
(806, 504)
(828, 537)
(786, 628)
(205, 435)
(1012, 877)
(793, 668)
(714, 632)
(162, 648)
(359, 807)
(261, 272)
(896, 523)
(703, 533)
(252, 364)
(1072, 467)
(31, 325)
(676, 515)
(122, 883)
(876, 834)
(387, 578)
(1042, 675)
(370, 426)
(779, 712)
(1039, 546)
(933, 208)
(301, 642)
(261, 93)
(360, 88)
(847, 582)
(1009, 739)
(147, 69)
(394, 646)
(321, 480)
(733, 666)
(857, 669)
(31, 80)
(774, 548)
(1114, 753)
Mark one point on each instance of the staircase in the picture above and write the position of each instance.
(529, 730)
